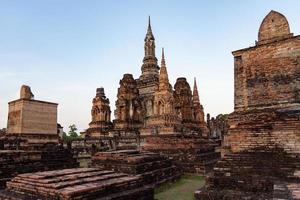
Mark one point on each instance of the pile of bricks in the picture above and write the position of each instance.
(79, 183)
(14, 162)
(192, 154)
(154, 168)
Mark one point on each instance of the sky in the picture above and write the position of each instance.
(65, 49)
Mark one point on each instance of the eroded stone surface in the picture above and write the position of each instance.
(154, 168)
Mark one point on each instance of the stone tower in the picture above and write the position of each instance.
(164, 119)
(128, 113)
(101, 123)
(148, 81)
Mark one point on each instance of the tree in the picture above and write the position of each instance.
(72, 132)
(71, 135)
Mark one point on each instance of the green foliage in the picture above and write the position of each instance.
(71, 135)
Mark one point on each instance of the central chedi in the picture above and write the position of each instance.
(149, 105)
(164, 119)
(149, 79)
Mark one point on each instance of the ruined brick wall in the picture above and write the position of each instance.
(269, 128)
(267, 90)
(32, 117)
(267, 75)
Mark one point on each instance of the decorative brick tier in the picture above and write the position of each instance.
(192, 154)
(79, 183)
(14, 162)
(154, 168)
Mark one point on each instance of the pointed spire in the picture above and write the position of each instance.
(163, 62)
(149, 35)
(196, 98)
(163, 75)
(149, 25)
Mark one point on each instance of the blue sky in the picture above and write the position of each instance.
(65, 49)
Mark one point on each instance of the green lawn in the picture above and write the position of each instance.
(182, 189)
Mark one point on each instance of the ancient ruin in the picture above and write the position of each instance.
(190, 153)
(79, 183)
(101, 123)
(33, 120)
(164, 119)
(154, 168)
(148, 81)
(128, 113)
(261, 149)
(31, 141)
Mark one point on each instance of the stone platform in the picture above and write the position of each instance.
(79, 183)
(191, 153)
(154, 168)
(14, 162)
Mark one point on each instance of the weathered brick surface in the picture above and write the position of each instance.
(128, 113)
(154, 168)
(192, 154)
(101, 123)
(267, 75)
(80, 183)
(261, 152)
(14, 162)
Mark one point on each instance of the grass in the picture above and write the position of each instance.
(182, 189)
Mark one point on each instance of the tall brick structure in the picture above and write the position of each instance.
(128, 113)
(33, 120)
(149, 79)
(262, 148)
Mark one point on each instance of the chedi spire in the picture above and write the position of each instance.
(196, 98)
(163, 75)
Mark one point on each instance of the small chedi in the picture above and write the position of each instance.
(101, 123)
(31, 141)
(262, 147)
(154, 168)
(77, 183)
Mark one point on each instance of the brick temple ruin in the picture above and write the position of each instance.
(262, 147)
(154, 112)
(154, 168)
(30, 143)
(149, 105)
(77, 183)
